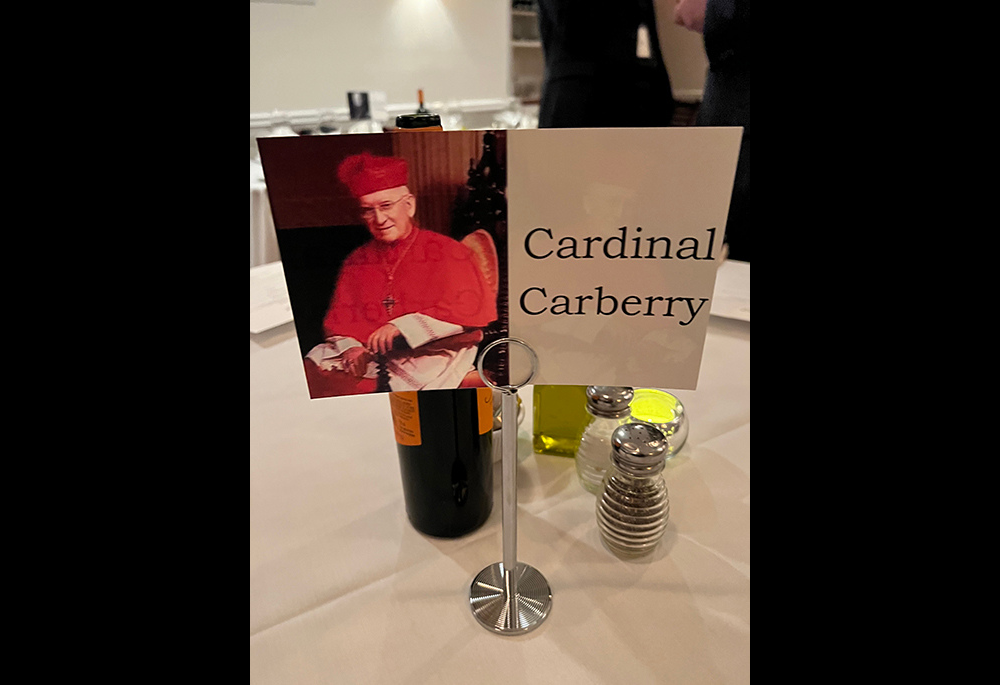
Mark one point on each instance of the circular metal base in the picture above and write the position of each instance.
(491, 601)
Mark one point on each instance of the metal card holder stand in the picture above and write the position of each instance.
(509, 597)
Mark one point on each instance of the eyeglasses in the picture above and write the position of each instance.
(368, 213)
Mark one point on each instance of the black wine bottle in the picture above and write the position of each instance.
(445, 444)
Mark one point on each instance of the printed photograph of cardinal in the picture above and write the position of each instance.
(394, 252)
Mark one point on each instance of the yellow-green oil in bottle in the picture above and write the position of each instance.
(560, 415)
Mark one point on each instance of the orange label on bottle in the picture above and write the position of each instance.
(405, 417)
(485, 401)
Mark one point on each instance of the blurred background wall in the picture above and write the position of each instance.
(307, 54)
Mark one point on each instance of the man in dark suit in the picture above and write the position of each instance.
(603, 66)
(725, 25)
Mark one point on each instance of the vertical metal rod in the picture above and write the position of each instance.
(508, 445)
(494, 595)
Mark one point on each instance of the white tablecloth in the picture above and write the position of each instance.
(263, 241)
(343, 590)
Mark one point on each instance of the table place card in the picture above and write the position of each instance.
(732, 291)
(615, 239)
(406, 254)
(269, 304)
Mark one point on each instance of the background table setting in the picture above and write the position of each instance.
(263, 241)
(344, 590)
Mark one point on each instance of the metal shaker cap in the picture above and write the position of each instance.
(609, 401)
(639, 448)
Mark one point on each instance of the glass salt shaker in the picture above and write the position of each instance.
(633, 509)
(609, 408)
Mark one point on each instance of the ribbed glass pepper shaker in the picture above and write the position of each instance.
(633, 509)
(608, 407)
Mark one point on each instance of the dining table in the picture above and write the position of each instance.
(344, 590)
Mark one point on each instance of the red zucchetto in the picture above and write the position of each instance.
(365, 173)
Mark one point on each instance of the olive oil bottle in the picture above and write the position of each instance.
(560, 415)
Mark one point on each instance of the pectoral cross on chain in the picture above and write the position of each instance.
(388, 303)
